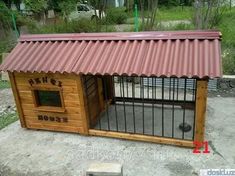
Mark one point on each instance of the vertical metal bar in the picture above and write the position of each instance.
(155, 88)
(114, 99)
(120, 78)
(177, 89)
(106, 101)
(193, 90)
(140, 88)
(124, 103)
(143, 102)
(153, 106)
(185, 83)
(127, 86)
(173, 109)
(194, 109)
(133, 101)
(170, 89)
(148, 88)
(162, 106)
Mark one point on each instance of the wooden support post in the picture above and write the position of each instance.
(17, 99)
(200, 110)
(83, 105)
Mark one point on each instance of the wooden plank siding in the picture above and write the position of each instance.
(17, 99)
(83, 106)
(71, 91)
(93, 99)
(139, 137)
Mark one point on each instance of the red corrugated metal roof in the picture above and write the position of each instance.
(179, 54)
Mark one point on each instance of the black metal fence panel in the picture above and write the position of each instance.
(140, 106)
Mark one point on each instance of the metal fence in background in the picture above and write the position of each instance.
(4, 84)
(212, 84)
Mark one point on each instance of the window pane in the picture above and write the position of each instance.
(48, 98)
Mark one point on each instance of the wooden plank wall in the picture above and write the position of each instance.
(70, 90)
(93, 98)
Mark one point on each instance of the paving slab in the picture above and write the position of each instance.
(104, 169)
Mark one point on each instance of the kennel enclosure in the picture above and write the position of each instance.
(147, 86)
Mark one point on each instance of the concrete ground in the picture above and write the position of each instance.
(39, 153)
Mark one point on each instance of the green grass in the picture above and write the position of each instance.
(174, 13)
(131, 20)
(227, 27)
(7, 119)
(166, 14)
(4, 84)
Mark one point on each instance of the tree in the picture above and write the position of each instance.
(149, 22)
(129, 4)
(9, 2)
(5, 18)
(101, 6)
(208, 13)
(66, 7)
(36, 6)
(169, 2)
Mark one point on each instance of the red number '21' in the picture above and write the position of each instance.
(199, 145)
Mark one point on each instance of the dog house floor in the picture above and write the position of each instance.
(169, 127)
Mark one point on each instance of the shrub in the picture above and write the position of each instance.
(5, 17)
(7, 44)
(227, 27)
(175, 27)
(183, 26)
(228, 60)
(116, 16)
(82, 25)
(108, 28)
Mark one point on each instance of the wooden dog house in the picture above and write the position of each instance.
(148, 86)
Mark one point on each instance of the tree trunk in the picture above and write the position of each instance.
(148, 24)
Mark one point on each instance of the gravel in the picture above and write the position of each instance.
(7, 103)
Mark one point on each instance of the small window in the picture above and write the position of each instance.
(48, 98)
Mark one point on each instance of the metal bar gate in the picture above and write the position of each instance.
(137, 105)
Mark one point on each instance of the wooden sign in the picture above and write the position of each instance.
(45, 80)
(52, 118)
